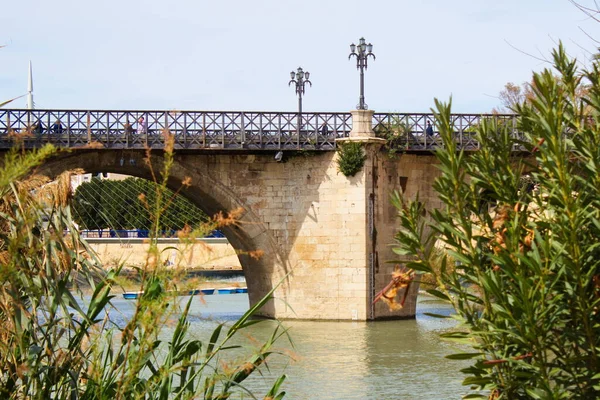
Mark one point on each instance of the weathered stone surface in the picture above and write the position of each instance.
(326, 238)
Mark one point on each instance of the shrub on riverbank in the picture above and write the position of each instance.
(528, 285)
(55, 343)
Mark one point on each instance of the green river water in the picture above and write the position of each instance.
(347, 360)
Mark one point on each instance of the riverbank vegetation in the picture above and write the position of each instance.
(56, 342)
(115, 204)
(526, 286)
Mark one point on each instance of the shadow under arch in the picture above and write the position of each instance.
(212, 197)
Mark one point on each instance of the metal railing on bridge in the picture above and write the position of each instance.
(227, 129)
(192, 129)
(410, 130)
(135, 233)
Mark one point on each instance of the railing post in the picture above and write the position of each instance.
(223, 130)
(128, 131)
(68, 129)
(279, 130)
(48, 125)
(515, 134)
(243, 131)
(260, 129)
(89, 129)
(107, 127)
(407, 131)
(317, 126)
(184, 145)
(166, 129)
(146, 132)
(204, 130)
(299, 125)
(461, 133)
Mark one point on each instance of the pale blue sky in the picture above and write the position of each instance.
(237, 54)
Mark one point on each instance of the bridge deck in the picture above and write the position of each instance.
(241, 130)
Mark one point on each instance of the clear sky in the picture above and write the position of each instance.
(237, 54)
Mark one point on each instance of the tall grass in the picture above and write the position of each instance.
(56, 342)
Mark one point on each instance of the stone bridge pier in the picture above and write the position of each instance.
(325, 238)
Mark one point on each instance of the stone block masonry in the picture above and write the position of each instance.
(325, 238)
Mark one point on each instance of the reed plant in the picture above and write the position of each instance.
(59, 338)
(526, 287)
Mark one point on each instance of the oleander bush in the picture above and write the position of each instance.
(527, 285)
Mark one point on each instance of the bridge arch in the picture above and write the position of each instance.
(205, 191)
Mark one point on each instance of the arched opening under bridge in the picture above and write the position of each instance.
(246, 235)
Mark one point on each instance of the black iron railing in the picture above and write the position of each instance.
(135, 233)
(192, 129)
(411, 130)
(224, 129)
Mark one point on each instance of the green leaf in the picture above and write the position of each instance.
(437, 315)
(463, 356)
(536, 393)
(475, 380)
(273, 393)
(438, 294)
(213, 339)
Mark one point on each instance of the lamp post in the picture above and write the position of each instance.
(300, 79)
(362, 53)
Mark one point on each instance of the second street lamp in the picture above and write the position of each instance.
(362, 53)
(300, 79)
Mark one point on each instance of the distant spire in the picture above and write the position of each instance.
(30, 105)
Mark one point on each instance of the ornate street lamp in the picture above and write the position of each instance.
(300, 78)
(362, 53)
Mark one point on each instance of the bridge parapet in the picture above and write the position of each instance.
(246, 130)
(411, 129)
(233, 130)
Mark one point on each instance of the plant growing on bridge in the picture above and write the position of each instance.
(60, 341)
(527, 287)
(398, 134)
(351, 158)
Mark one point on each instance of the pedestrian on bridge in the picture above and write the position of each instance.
(128, 128)
(38, 128)
(142, 127)
(57, 127)
(429, 131)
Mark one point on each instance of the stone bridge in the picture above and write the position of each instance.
(325, 237)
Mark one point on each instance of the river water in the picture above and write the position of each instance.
(347, 360)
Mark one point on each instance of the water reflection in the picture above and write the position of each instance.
(347, 360)
(375, 360)
(406, 360)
